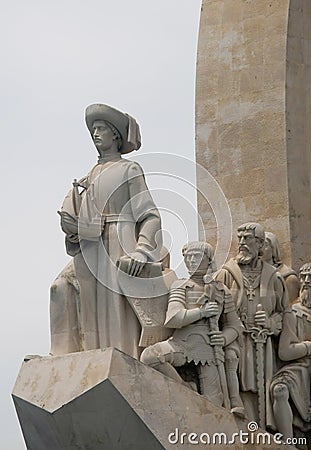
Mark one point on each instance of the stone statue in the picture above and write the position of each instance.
(108, 214)
(64, 313)
(203, 316)
(272, 255)
(260, 296)
(290, 387)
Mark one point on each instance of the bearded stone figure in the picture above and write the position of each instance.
(260, 297)
(290, 388)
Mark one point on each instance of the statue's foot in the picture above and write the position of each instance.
(239, 411)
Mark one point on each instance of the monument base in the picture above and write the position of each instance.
(104, 399)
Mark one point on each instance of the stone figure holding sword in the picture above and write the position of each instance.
(203, 316)
(260, 297)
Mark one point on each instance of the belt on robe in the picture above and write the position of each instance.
(90, 230)
(109, 218)
(117, 218)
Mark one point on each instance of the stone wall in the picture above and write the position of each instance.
(253, 116)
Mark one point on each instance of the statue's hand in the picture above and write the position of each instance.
(203, 299)
(210, 309)
(137, 262)
(262, 319)
(217, 338)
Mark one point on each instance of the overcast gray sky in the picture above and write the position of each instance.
(56, 58)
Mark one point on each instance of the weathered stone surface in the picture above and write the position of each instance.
(252, 113)
(104, 399)
(70, 403)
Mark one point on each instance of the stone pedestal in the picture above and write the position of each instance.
(106, 400)
(253, 116)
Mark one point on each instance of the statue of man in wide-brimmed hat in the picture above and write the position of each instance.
(106, 215)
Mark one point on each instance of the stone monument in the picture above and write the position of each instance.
(110, 302)
(118, 295)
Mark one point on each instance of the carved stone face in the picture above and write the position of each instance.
(196, 261)
(249, 246)
(102, 135)
(305, 289)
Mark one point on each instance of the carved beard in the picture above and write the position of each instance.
(245, 256)
(305, 295)
(243, 259)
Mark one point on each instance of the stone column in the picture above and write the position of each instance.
(253, 116)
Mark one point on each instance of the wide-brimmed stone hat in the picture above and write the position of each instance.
(124, 123)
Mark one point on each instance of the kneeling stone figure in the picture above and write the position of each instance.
(205, 320)
(290, 388)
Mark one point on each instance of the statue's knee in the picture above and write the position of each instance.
(231, 354)
(150, 356)
(280, 391)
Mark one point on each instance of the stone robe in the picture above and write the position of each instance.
(117, 216)
(291, 281)
(271, 293)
